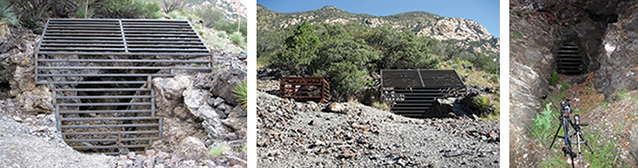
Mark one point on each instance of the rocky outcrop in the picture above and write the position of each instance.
(457, 29)
(619, 53)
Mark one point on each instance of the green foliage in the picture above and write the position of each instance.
(218, 151)
(146, 9)
(232, 27)
(169, 5)
(381, 105)
(211, 15)
(543, 124)
(402, 50)
(481, 102)
(622, 94)
(606, 152)
(238, 39)
(6, 13)
(563, 85)
(299, 50)
(241, 93)
(554, 78)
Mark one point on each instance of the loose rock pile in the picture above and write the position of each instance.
(290, 133)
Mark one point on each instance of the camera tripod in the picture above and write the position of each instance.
(565, 122)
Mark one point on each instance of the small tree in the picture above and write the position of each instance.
(300, 50)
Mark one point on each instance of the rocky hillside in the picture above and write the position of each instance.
(462, 32)
(294, 134)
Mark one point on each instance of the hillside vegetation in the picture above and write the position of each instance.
(220, 28)
(350, 55)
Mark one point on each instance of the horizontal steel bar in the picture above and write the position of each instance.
(110, 118)
(80, 49)
(83, 28)
(93, 82)
(123, 60)
(110, 133)
(105, 89)
(105, 111)
(120, 67)
(105, 104)
(83, 34)
(160, 35)
(81, 45)
(109, 147)
(56, 41)
(117, 125)
(165, 46)
(165, 42)
(105, 97)
(166, 50)
(103, 75)
(83, 31)
(80, 38)
(111, 140)
(124, 53)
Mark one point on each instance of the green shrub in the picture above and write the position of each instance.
(7, 15)
(481, 102)
(563, 85)
(218, 151)
(241, 93)
(146, 9)
(232, 27)
(238, 39)
(554, 78)
(543, 123)
(211, 15)
(381, 105)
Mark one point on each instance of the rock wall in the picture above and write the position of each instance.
(531, 63)
(619, 56)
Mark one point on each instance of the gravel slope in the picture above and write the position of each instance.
(25, 145)
(292, 134)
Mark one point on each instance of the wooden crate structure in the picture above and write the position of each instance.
(310, 88)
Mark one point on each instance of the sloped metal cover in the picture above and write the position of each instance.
(420, 78)
(121, 37)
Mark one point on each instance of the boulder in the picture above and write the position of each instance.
(191, 148)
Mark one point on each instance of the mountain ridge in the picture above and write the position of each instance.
(464, 32)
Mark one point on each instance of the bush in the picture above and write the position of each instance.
(241, 93)
(481, 102)
(563, 85)
(211, 15)
(554, 78)
(543, 123)
(169, 5)
(232, 27)
(7, 15)
(238, 39)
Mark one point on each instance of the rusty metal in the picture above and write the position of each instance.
(569, 60)
(100, 73)
(313, 88)
(413, 92)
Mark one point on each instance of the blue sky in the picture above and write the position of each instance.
(485, 12)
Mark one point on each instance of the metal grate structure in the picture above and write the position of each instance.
(100, 73)
(413, 92)
(569, 61)
(313, 88)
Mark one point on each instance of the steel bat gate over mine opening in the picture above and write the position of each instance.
(413, 92)
(100, 72)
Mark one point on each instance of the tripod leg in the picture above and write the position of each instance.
(586, 143)
(555, 135)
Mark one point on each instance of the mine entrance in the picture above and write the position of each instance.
(413, 92)
(100, 73)
(569, 61)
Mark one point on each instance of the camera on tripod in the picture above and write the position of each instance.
(565, 109)
(576, 137)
